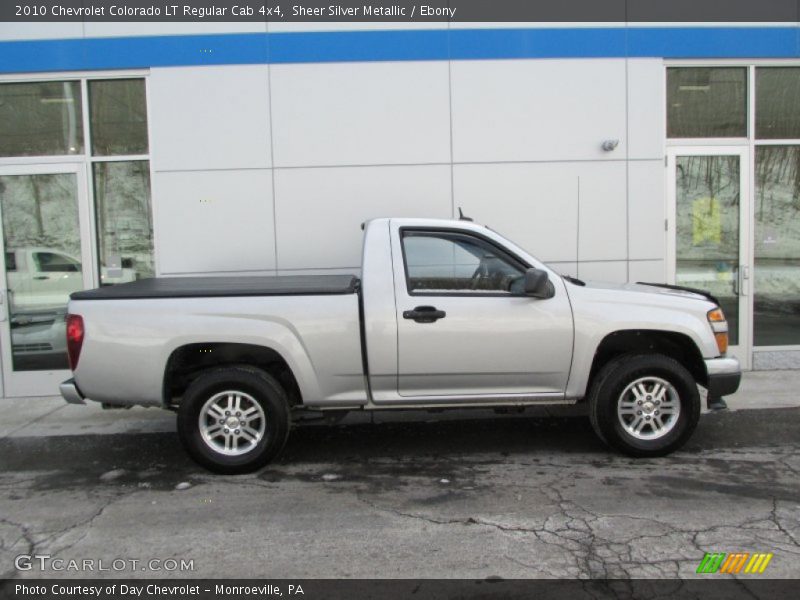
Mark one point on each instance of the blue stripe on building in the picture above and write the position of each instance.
(403, 45)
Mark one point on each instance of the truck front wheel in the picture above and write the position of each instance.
(644, 405)
(234, 419)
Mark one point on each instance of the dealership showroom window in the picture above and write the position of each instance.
(98, 126)
(713, 104)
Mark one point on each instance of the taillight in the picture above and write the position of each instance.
(75, 333)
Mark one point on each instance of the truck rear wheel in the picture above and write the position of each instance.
(234, 419)
(644, 405)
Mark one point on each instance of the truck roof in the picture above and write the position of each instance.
(200, 287)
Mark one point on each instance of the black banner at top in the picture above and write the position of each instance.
(618, 11)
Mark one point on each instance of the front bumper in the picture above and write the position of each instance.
(70, 392)
(724, 376)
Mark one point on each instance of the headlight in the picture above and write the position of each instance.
(719, 325)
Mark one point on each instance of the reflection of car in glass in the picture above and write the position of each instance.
(40, 280)
(38, 340)
(43, 278)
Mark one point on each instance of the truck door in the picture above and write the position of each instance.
(464, 326)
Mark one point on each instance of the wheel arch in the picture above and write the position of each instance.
(189, 361)
(676, 345)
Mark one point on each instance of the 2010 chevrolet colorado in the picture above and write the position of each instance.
(446, 314)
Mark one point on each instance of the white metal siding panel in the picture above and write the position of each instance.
(360, 114)
(210, 118)
(646, 108)
(319, 211)
(215, 221)
(647, 209)
(525, 110)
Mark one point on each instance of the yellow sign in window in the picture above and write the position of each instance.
(706, 223)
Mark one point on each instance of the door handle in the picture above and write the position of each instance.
(744, 277)
(424, 314)
(41, 277)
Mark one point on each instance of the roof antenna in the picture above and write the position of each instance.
(461, 216)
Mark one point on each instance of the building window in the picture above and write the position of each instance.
(706, 102)
(711, 102)
(776, 310)
(41, 119)
(118, 112)
(46, 119)
(776, 301)
(124, 221)
(121, 179)
(777, 103)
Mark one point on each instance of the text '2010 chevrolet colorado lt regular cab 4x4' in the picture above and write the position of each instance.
(447, 314)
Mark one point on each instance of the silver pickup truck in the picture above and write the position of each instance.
(446, 314)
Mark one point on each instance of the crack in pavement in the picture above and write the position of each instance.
(575, 530)
(781, 528)
(46, 541)
(24, 534)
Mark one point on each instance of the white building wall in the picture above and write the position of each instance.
(212, 166)
(273, 168)
(647, 235)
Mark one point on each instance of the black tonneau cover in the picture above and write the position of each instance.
(198, 287)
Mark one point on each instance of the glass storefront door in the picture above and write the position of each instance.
(46, 256)
(709, 234)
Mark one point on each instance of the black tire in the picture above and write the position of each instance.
(253, 383)
(615, 377)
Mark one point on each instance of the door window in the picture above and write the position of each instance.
(442, 262)
(41, 235)
(707, 202)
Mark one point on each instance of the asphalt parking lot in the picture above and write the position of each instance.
(488, 497)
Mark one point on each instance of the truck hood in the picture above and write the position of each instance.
(646, 289)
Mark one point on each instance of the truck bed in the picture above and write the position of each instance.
(202, 287)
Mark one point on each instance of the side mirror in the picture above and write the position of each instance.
(537, 284)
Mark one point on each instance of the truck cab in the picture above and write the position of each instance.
(452, 322)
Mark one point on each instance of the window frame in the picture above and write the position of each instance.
(86, 160)
(766, 141)
(748, 102)
(51, 158)
(90, 150)
(82, 77)
(502, 252)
